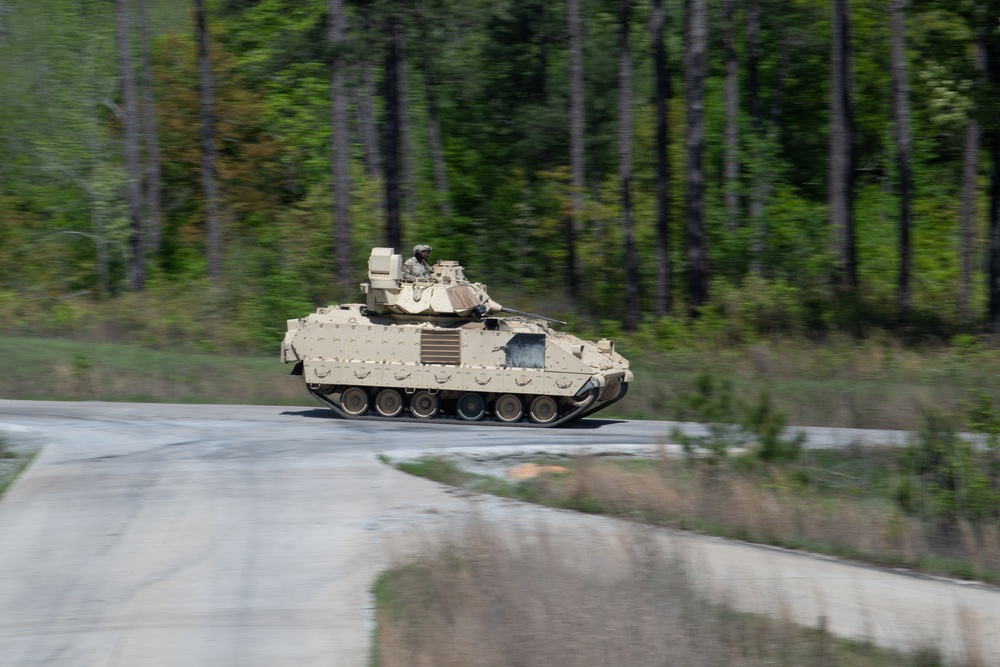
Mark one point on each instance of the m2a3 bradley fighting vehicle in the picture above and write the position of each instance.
(439, 349)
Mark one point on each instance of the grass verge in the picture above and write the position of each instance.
(478, 598)
(58, 369)
(13, 462)
(832, 502)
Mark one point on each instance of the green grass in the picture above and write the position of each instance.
(10, 477)
(59, 369)
(12, 464)
(381, 590)
(837, 382)
(439, 470)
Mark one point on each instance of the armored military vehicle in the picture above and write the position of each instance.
(441, 349)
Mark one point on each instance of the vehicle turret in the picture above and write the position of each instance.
(447, 293)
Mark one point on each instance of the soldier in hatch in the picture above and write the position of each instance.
(417, 267)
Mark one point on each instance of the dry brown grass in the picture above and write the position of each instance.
(770, 509)
(481, 600)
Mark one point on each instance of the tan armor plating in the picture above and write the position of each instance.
(442, 349)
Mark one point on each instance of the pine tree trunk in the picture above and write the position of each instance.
(993, 259)
(154, 216)
(130, 120)
(442, 194)
(574, 225)
(367, 122)
(208, 154)
(777, 110)
(841, 177)
(992, 49)
(731, 141)
(393, 228)
(664, 299)
(341, 161)
(437, 146)
(904, 146)
(970, 176)
(759, 171)
(756, 103)
(970, 188)
(408, 189)
(696, 60)
(625, 165)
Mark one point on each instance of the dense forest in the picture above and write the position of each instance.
(805, 165)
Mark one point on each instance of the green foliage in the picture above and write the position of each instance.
(946, 480)
(499, 77)
(928, 657)
(738, 314)
(759, 306)
(437, 469)
(667, 334)
(731, 422)
(277, 302)
(711, 403)
(767, 425)
(983, 417)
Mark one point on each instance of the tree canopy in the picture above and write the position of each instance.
(466, 107)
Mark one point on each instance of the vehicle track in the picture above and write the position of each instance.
(586, 407)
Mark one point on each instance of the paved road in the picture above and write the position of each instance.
(237, 535)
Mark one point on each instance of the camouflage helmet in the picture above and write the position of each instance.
(422, 249)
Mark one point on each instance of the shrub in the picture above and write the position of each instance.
(711, 403)
(767, 425)
(946, 480)
(731, 422)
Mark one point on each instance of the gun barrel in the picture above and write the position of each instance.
(537, 317)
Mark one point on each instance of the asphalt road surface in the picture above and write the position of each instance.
(148, 534)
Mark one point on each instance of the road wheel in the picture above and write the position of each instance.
(543, 409)
(471, 407)
(389, 403)
(354, 401)
(424, 404)
(509, 408)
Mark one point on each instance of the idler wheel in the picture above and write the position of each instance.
(424, 404)
(389, 403)
(543, 409)
(471, 407)
(509, 408)
(613, 392)
(354, 401)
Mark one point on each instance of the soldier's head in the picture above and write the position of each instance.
(421, 251)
